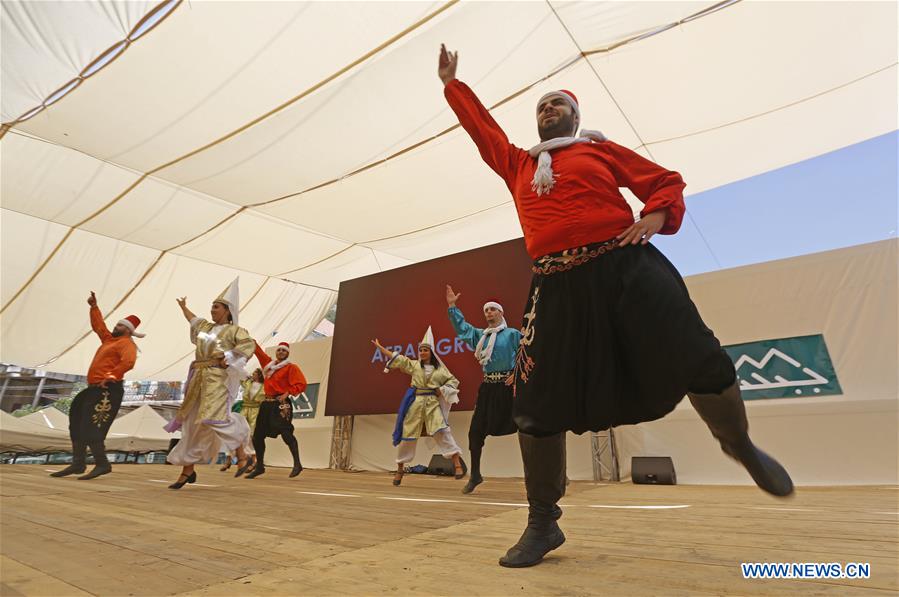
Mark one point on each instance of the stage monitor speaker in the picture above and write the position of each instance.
(440, 465)
(653, 470)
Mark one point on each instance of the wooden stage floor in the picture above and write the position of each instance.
(335, 533)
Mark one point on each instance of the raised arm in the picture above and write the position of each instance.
(491, 140)
(264, 359)
(97, 323)
(384, 351)
(394, 361)
(464, 330)
(188, 314)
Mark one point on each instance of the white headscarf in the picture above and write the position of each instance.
(483, 354)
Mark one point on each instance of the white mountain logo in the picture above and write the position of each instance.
(779, 361)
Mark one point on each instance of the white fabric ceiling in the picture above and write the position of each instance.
(228, 140)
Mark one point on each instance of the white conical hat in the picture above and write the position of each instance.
(231, 296)
(428, 339)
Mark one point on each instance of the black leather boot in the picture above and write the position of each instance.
(544, 478)
(292, 443)
(101, 463)
(79, 457)
(725, 414)
(475, 479)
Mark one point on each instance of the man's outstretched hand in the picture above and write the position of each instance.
(451, 297)
(446, 65)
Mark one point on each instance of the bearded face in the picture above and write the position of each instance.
(555, 118)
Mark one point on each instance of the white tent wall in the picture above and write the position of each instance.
(848, 295)
(313, 435)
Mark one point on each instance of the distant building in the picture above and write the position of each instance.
(20, 386)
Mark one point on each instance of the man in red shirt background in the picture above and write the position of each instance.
(610, 335)
(283, 379)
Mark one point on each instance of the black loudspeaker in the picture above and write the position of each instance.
(440, 465)
(654, 470)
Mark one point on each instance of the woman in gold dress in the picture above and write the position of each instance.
(205, 417)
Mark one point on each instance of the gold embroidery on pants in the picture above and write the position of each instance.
(286, 411)
(102, 410)
(524, 364)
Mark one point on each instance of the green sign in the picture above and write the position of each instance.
(784, 368)
(304, 405)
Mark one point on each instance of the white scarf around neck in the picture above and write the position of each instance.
(273, 366)
(544, 178)
(483, 354)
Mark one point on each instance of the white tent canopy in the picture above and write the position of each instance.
(49, 417)
(301, 144)
(141, 430)
(19, 435)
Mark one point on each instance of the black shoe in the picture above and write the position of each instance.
(541, 536)
(97, 471)
(259, 470)
(72, 469)
(187, 479)
(472, 483)
(297, 469)
(725, 415)
(246, 466)
(767, 473)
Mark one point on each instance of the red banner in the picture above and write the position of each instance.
(397, 306)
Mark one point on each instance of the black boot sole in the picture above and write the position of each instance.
(66, 473)
(94, 474)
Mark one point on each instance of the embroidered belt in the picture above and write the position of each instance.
(270, 399)
(497, 377)
(206, 364)
(425, 392)
(570, 258)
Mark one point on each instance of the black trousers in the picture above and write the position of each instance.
(93, 410)
(271, 422)
(614, 340)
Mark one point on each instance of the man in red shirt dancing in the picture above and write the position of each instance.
(610, 335)
(283, 379)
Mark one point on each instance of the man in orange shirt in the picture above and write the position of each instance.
(283, 379)
(95, 407)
